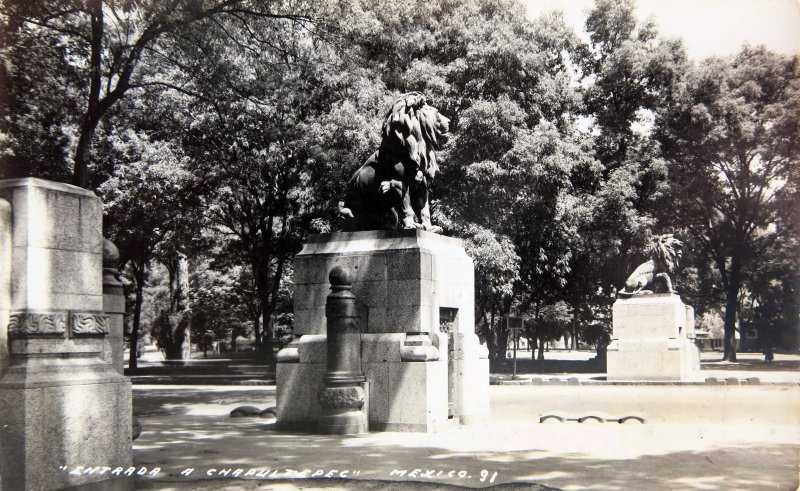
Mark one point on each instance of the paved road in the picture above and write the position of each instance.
(696, 437)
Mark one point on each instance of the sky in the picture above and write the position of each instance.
(707, 27)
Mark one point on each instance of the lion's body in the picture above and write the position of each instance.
(371, 208)
(390, 189)
(664, 259)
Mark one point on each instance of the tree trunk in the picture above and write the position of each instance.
(731, 307)
(180, 315)
(541, 349)
(257, 329)
(83, 152)
(137, 314)
(83, 155)
(575, 345)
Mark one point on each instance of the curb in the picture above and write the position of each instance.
(198, 380)
(575, 381)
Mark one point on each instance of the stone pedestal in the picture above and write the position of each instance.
(63, 403)
(653, 339)
(415, 297)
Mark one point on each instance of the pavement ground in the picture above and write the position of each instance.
(705, 437)
(694, 437)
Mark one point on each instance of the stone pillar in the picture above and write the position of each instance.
(62, 402)
(114, 305)
(343, 398)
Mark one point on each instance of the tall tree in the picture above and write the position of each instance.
(150, 212)
(103, 47)
(260, 107)
(731, 133)
(507, 181)
(629, 73)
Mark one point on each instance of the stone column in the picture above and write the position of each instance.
(114, 305)
(343, 398)
(62, 403)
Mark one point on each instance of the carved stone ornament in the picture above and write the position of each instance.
(37, 323)
(341, 398)
(84, 323)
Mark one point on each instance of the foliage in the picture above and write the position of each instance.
(219, 133)
(548, 323)
(103, 49)
(731, 133)
(218, 303)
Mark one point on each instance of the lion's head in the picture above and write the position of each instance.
(416, 128)
(668, 250)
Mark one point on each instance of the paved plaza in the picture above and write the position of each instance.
(694, 437)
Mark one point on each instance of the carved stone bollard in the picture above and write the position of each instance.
(343, 398)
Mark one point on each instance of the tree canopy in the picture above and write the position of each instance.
(220, 133)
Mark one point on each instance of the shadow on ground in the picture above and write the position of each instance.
(752, 365)
(548, 366)
(209, 445)
(186, 401)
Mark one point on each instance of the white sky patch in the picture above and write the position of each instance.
(707, 27)
(585, 124)
(645, 121)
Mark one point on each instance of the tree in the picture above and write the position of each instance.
(511, 177)
(629, 73)
(219, 311)
(548, 323)
(260, 140)
(731, 134)
(103, 49)
(496, 271)
(149, 202)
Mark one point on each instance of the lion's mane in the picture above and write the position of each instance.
(390, 189)
(416, 128)
(667, 250)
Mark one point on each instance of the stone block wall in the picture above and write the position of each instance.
(6, 224)
(402, 278)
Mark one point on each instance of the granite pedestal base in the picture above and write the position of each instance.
(62, 415)
(62, 400)
(653, 339)
(424, 366)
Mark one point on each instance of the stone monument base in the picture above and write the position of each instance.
(653, 339)
(424, 365)
(64, 416)
(403, 394)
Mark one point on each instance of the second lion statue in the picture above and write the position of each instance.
(391, 189)
(664, 258)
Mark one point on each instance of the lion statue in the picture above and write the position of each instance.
(665, 254)
(391, 189)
